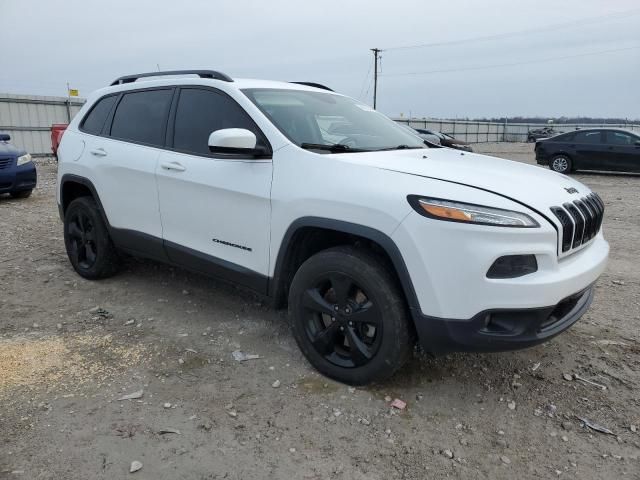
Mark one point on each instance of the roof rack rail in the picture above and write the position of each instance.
(313, 84)
(201, 73)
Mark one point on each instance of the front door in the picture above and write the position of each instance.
(590, 150)
(215, 210)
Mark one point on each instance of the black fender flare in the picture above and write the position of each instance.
(388, 245)
(71, 178)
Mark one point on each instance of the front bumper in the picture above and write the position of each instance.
(454, 299)
(501, 329)
(542, 158)
(18, 179)
(448, 263)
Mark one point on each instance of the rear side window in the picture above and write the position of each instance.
(565, 137)
(94, 121)
(142, 117)
(200, 112)
(588, 137)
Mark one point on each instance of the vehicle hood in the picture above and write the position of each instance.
(8, 150)
(534, 186)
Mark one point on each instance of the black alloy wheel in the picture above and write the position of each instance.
(82, 238)
(86, 238)
(349, 317)
(342, 323)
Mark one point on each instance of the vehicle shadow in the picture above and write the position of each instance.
(478, 372)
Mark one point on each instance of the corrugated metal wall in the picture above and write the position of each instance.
(28, 119)
(478, 132)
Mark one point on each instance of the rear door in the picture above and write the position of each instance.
(590, 150)
(124, 160)
(215, 208)
(624, 150)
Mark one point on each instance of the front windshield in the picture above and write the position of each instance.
(315, 120)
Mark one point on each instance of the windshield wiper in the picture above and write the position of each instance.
(397, 147)
(335, 147)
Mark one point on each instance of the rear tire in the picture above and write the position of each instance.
(21, 194)
(86, 238)
(370, 336)
(560, 164)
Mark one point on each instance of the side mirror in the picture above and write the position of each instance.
(234, 140)
(637, 144)
(4, 137)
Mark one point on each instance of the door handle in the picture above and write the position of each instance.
(175, 166)
(98, 152)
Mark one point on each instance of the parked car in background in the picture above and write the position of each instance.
(591, 149)
(57, 129)
(447, 140)
(539, 133)
(430, 139)
(18, 175)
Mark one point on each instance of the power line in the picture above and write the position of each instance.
(368, 87)
(364, 83)
(497, 36)
(513, 64)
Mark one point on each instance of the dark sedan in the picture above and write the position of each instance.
(17, 172)
(591, 149)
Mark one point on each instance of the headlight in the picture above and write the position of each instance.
(24, 159)
(469, 213)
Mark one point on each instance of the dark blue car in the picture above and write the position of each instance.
(17, 172)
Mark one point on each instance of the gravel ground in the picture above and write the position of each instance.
(70, 348)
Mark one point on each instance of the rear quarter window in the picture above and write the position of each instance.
(564, 137)
(94, 121)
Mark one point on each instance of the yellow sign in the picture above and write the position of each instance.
(73, 92)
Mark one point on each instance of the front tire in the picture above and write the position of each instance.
(86, 238)
(560, 164)
(348, 316)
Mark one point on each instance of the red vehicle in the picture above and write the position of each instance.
(57, 129)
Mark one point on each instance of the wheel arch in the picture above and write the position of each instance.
(75, 186)
(298, 244)
(564, 153)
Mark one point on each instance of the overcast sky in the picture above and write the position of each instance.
(46, 43)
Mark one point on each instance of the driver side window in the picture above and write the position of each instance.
(200, 112)
(619, 138)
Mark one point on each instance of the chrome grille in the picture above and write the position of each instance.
(581, 220)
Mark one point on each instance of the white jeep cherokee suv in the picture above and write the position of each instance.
(318, 201)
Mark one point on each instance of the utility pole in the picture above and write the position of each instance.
(376, 56)
(68, 104)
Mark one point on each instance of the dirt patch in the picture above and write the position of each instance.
(52, 364)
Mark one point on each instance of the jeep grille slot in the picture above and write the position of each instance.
(578, 221)
(581, 221)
